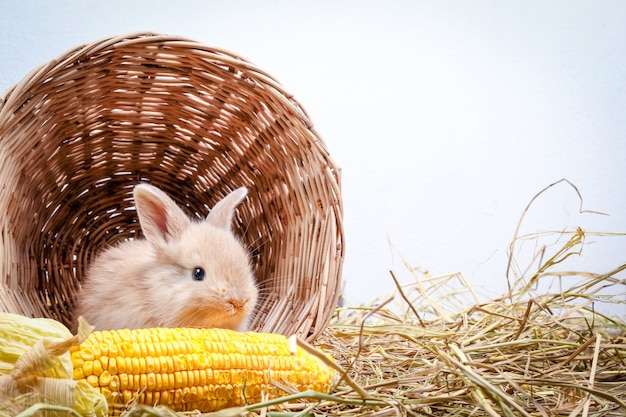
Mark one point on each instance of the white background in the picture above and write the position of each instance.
(446, 117)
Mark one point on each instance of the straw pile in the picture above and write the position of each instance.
(522, 355)
(525, 354)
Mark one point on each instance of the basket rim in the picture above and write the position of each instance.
(37, 74)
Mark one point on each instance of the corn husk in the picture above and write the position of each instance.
(36, 370)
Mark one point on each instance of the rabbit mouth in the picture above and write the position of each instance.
(229, 314)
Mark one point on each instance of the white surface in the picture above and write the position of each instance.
(446, 117)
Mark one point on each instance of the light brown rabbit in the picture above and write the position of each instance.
(185, 273)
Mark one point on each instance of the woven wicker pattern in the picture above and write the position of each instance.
(77, 134)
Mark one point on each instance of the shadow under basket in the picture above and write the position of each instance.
(78, 133)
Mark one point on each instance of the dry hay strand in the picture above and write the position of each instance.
(524, 354)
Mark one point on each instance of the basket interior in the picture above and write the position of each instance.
(78, 133)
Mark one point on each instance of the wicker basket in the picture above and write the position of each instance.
(77, 134)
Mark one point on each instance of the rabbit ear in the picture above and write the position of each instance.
(222, 213)
(160, 218)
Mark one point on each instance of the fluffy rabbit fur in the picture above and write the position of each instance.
(185, 273)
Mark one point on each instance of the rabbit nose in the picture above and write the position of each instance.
(238, 304)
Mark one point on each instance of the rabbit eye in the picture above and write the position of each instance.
(198, 273)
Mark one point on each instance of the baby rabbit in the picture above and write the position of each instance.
(185, 273)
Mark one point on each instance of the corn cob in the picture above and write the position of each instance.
(194, 369)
